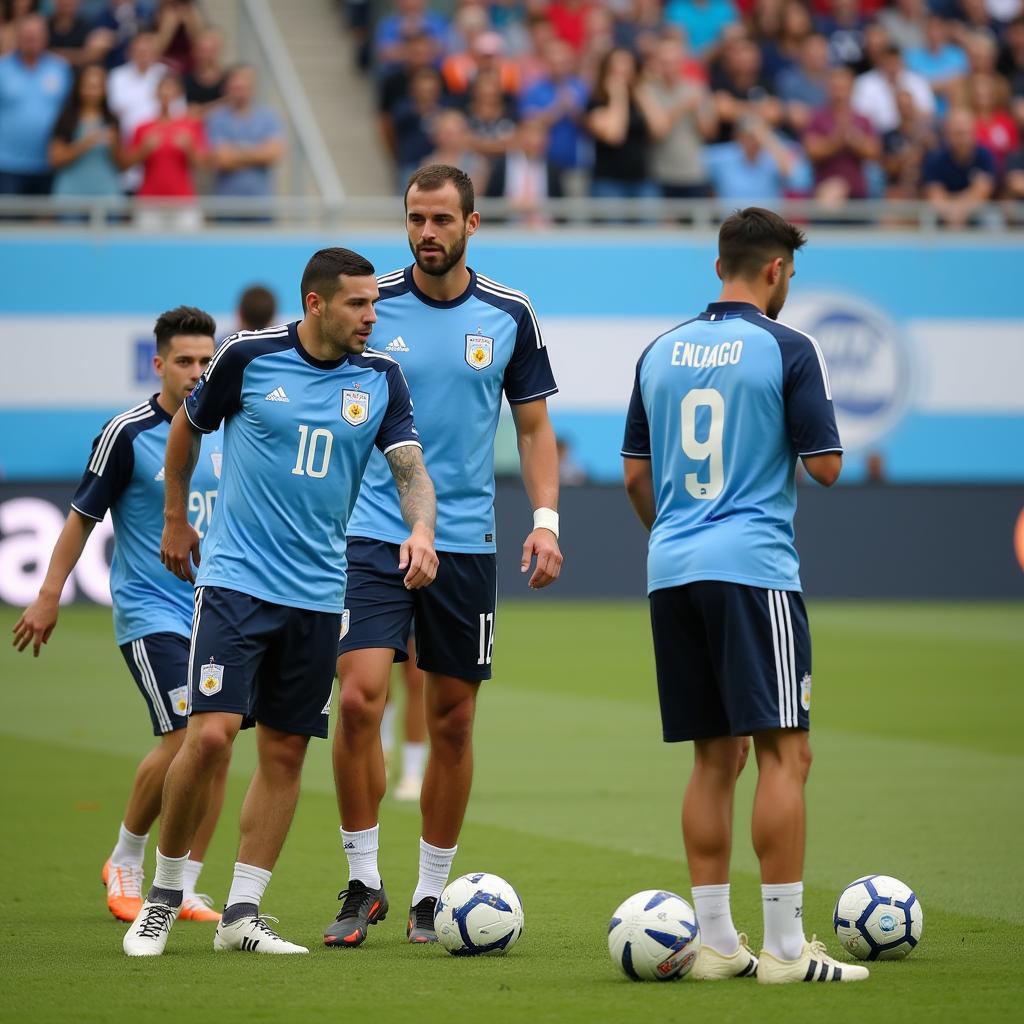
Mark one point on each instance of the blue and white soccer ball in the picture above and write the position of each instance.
(653, 936)
(878, 918)
(478, 915)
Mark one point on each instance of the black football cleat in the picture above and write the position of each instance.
(420, 927)
(360, 908)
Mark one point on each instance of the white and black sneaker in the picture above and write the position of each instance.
(148, 933)
(253, 935)
(813, 964)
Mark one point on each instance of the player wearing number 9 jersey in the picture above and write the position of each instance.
(152, 609)
(304, 404)
(722, 408)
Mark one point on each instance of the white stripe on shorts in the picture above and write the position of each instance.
(198, 601)
(794, 695)
(141, 657)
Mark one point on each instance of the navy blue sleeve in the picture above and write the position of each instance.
(528, 375)
(218, 393)
(397, 429)
(810, 416)
(110, 468)
(636, 443)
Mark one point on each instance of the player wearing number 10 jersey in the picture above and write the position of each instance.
(722, 408)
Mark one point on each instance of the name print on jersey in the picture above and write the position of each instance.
(699, 357)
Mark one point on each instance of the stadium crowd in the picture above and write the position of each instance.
(105, 98)
(737, 99)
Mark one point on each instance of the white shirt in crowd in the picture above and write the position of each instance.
(875, 98)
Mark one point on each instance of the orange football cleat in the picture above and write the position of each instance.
(124, 890)
(197, 906)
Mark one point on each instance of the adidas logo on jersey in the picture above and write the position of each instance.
(277, 395)
(396, 345)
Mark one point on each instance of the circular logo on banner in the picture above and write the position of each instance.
(867, 364)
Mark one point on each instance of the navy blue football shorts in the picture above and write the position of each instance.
(159, 665)
(267, 662)
(453, 617)
(731, 660)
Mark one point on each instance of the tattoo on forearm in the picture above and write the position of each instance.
(415, 488)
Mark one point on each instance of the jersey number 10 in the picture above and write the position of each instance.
(316, 461)
(710, 449)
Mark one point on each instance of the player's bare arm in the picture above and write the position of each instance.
(179, 545)
(824, 469)
(538, 461)
(419, 510)
(39, 619)
(639, 481)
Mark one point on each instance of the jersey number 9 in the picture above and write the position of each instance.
(710, 449)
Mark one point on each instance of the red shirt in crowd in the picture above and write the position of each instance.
(845, 163)
(998, 133)
(167, 171)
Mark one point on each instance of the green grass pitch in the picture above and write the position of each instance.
(918, 773)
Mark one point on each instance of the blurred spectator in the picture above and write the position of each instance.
(981, 49)
(620, 113)
(756, 165)
(12, 13)
(975, 16)
(570, 472)
(874, 92)
(638, 24)
(69, 34)
(245, 139)
(491, 126)
(33, 85)
(1015, 178)
(204, 84)
(525, 176)
(939, 61)
(988, 98)
(569, 19)
(170, 148)
(257, 308)
(559, 99)
(904, 149)
(843, 27)
(687, 119)
(418, 51)
(904, 23)
(599, 39)
(132, 87)
(179, 23)
(1011, 66)
(413, 119)
(410, 17)
(85, 150)
(486, 56)
(959, 176)
(539, 35)
(874, 469)
(839, 142)
(453, 145)
(782, 44)
(702, 20)
(121, 22)
(804, 88)
(741, 89)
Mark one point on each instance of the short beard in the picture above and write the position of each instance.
(458, 250)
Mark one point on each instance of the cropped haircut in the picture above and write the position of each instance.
(435, 176)
(326, 266)
(750, 238)
(182, 320)
(257, 308)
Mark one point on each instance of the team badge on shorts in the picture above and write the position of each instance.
(805, 692)
(346, 619)
(355, 406)
(479, 351)
(211, 679)
(178, 699)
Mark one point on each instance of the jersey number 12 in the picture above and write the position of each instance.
(710, 449)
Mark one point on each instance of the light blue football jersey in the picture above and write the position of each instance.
(126, 475)
(298, 432)
(459, 357)
(723, 406)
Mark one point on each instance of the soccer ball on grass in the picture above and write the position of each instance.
(478, 915)
(653, 936)
(878, 918)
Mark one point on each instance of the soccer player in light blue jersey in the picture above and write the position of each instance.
(152, 609)
(303, 406)
(464, 341)
(723, 407)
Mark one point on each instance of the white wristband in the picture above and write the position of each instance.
(546, 518)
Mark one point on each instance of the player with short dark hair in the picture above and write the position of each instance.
(463, 341)
(723, 406)
(303, 405)
(257, 308)
(152, 610)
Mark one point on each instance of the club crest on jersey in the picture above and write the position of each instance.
(178, 699)
(345, 618)
(211, 679)
(805, 692)
(355, 406)
(217, 458)
(479, 351)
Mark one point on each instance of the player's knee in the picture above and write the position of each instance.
(285, 756)
(453, 726)
(210, 741)
(359, 711)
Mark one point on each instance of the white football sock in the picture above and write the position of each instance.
(413, 756)
(435, 864)
(130, 849)
(191, 877)
(714, 915)
(784, 919)
(387, 729)
(170, 872)
(248, 884)
(361, 850)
